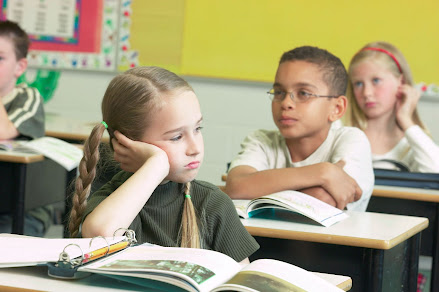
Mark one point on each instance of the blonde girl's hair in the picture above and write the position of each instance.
(189, 230)
(394, 60)
(128, 102)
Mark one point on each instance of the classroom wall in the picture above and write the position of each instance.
(231, 109)
(242, 40)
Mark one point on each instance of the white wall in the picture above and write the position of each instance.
(428, 109)
(231, 109)
(79, 94)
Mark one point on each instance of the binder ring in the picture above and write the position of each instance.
(130, 234)
(64, 256)
(108, 246)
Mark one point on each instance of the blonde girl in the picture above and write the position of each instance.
(154, 121)
(383, 103)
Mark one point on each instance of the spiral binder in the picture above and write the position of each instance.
(67, 268)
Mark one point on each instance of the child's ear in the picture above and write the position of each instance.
(338, 109)
(20, 67)
(401, 79)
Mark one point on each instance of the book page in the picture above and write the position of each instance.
(7, 145)
(272, 275)
(64, 153)
(188, 268)
(241, 207)
(19, 251)
(311, 207)
(15, 145)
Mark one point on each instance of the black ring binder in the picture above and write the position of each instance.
(108, 246)
(64, 256)
(67, 268)
(130, 234)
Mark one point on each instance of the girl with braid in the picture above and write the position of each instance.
(154, 121)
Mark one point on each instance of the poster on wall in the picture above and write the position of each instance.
(68, 34)
(54, 23)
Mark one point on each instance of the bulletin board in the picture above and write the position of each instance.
(68, 34)
(244, 39)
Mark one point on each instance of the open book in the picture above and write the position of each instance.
(204, 270)
(174, 269)
(64, 153)
(294, 201)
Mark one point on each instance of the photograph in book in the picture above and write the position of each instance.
(196, 272)
(262, 282)
(272, 276)
(294, 201)
(203, 270)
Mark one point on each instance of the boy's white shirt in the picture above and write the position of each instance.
(416, 150)
(264, 149)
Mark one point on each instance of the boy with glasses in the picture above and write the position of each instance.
(309, 152)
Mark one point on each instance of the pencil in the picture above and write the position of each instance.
(104, 251)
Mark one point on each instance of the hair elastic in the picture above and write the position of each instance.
(188, 196)
(385, 52)
(105, 124)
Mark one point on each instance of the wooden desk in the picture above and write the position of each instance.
(29, 181)
(380, 252)
(36, 279)
(414, 194)
(413, 202)
(69, 129)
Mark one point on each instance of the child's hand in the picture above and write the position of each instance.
(343, 188)
(407, 100)
(133, 154)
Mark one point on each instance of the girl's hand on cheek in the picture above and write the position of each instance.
(133, 154)
(407, 100)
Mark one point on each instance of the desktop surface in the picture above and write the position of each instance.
(363, 229)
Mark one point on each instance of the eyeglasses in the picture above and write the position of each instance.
(299, 96)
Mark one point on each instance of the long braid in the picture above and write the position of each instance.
(87, 173)
(190, 234)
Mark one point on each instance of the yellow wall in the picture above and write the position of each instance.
(157, 32)
(244, 39)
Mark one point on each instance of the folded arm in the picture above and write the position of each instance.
(325, 181)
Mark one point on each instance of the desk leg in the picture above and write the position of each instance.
(375, 270)
(413, 265)
(435, 253)
(18, 213)
(395, 269)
